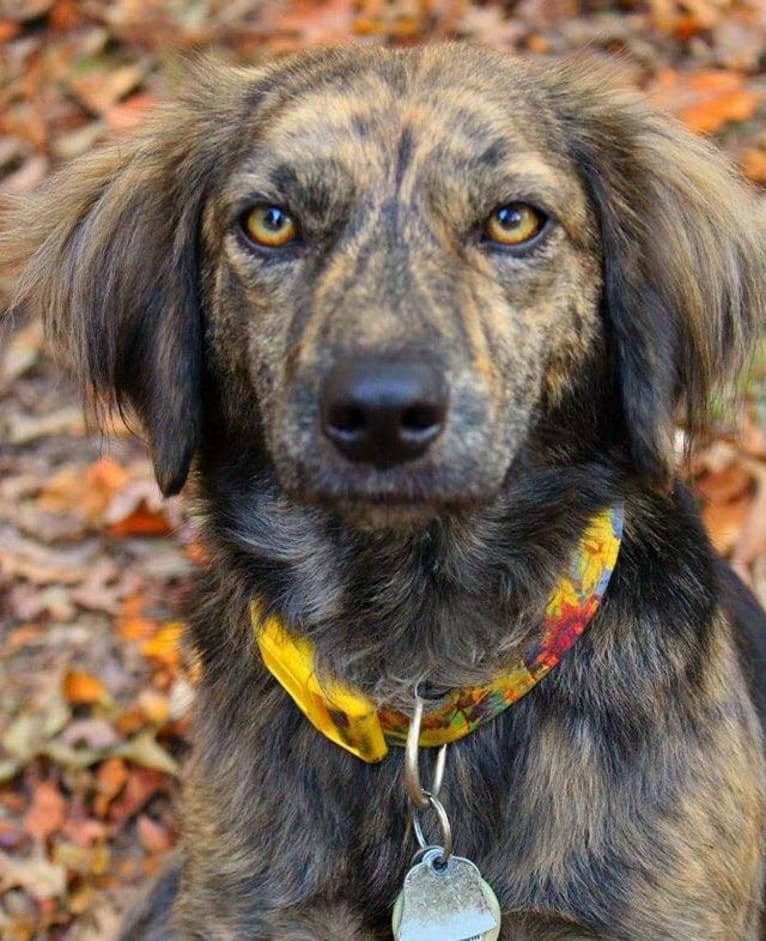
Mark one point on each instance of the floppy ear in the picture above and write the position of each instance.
(108, 253)
(684, 257)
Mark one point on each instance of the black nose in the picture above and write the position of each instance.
(383, 412)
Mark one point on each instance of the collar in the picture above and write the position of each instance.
(354, 722)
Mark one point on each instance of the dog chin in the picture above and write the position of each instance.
(376, 512)
(369, 516)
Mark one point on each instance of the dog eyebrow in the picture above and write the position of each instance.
(323, 188)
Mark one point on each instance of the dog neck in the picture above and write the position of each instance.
(357, 724)
(451, 600)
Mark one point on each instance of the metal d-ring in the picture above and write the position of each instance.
(420, 798)
(446, 835)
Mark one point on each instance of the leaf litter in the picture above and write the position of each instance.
(95, 686)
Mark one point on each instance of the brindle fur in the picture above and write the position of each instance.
(621, 799)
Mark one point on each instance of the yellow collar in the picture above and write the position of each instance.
(353, 721)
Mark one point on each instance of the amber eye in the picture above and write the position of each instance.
(271, 226)
(514, 224)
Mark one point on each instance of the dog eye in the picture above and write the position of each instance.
(269, 225)
(514, 224)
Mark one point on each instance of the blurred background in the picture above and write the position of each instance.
(94, 688)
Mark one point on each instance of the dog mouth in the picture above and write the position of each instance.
(390, 440)
(391, 504)
(393, 511)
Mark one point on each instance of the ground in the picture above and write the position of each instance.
(94, 689)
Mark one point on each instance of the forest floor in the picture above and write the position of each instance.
(94, 689)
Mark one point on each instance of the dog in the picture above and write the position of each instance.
(416, 324)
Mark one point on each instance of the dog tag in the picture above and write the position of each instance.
(445, 902)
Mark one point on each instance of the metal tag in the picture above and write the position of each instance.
(445, 903)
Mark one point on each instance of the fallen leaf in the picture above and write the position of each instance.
(153, 836)
(752, 537)
(724, 485)
(131, 112)
(81, 688)
(103, 85)
(85, 831)
(154, 706)
(46, 812)
(21, 353)
(752, 160)
(84, 860)
(724, 522)
(710, 115)
(11, 836)
(8, 29)
(23, 429)
(40, 878)
(164, 646)
(22, 10)
(90, 737)
(111, 777)
(31, 173)
(141, 521)
(707, 99)
(102, 480)
(141, 786)
(144, 750)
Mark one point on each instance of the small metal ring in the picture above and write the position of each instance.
(441, 813)
(415, 791)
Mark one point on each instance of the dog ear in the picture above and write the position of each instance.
(684, 257)
(108, 253)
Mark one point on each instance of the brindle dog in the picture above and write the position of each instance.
(411, 318)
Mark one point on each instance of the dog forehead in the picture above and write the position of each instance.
(439, 106)
(461, 125)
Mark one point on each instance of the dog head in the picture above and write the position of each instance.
(393, 273)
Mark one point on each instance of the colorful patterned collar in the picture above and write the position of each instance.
(354, 722)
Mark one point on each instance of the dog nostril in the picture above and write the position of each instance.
(421, 418)
(346, 420)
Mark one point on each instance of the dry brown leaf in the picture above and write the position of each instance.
(90, 738)
(41, 879)
(144, 750)
(84, 831)
(100, 89)
(142, 785)
(81, 688)
(711, 114)
(310, 22)
(724, 485)
(752, 537)
(8, 29)
(752, 160)
(46, 813)
(154, 706)
(142, 520)
(724, 522)
(23, 429)
(83, 860)
(153, 836)
(131, 112)
(20, 354)
(102, 480)
(111, 777)
(23, 10)
(705, 100)
(753, 439)
(165, 646)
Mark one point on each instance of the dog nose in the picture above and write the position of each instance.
(383, 412)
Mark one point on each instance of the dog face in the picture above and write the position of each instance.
(387, 271)
(399, 341)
